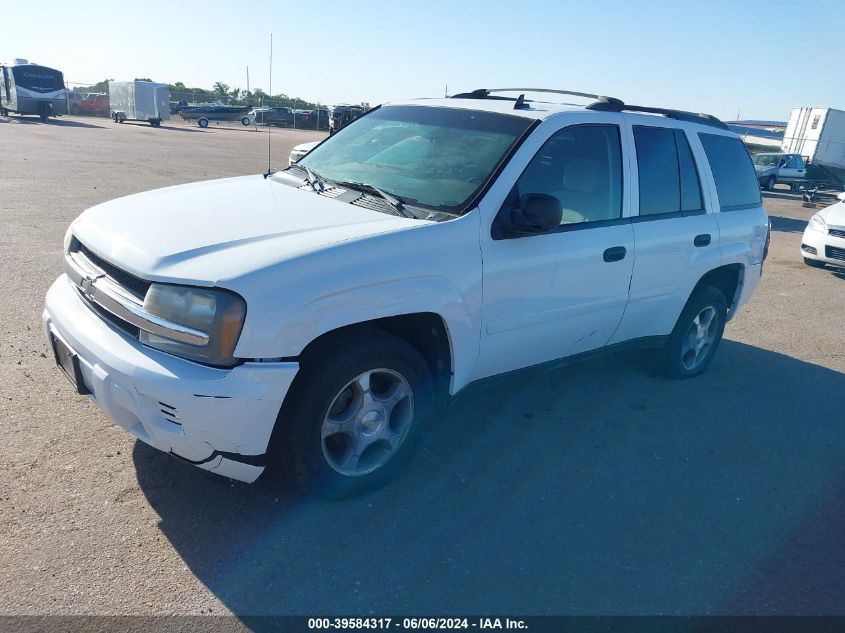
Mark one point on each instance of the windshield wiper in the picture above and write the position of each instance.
(315, 180)
(392, 200)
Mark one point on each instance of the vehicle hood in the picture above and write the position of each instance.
(210, 231)
(765, 170)
(834, 215)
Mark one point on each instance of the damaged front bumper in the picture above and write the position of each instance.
(217, 419)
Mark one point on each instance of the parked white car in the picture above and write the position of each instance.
(301, 150)
(824, 238)
(323, 313)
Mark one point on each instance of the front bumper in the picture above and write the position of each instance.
(218, 419)
(819, 241)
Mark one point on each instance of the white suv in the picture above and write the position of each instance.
(321, 314)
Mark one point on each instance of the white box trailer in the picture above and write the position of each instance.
(139, 101)
(818, 134)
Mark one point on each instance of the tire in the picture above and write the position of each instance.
(245, 121)
(686, 354)
(202, 122)
(44, 117)
(770, 183)
(813, 263)
(328, 396)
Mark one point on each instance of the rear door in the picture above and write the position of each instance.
(675, 229)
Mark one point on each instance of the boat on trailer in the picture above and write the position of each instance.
(204, 113)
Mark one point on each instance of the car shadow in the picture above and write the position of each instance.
(68, 123)
(593, 488)
(787, 225)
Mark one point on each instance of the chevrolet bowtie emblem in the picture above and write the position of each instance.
(87, 285)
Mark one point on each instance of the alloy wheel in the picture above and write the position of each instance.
(367, 422)
(699, 338)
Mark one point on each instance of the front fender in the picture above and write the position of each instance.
(434, 268)
(407, 296)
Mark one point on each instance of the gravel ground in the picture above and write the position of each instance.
(596, 488)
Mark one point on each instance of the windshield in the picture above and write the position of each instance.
(768, 160)
(432, 157)
(38, 78)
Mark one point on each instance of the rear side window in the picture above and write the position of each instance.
(736, 180)
(667, 175)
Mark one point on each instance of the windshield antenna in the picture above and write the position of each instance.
(269, 162)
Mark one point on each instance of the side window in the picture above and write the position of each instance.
(795, 162)
(690, 184)
(581, 166)
(736, 180)
(668, 178)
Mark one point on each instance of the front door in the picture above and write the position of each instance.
(563, 292)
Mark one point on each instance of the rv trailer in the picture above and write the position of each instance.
(32, 89)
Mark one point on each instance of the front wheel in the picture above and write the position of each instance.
(356, 412)
(770, 183)
(696, 336)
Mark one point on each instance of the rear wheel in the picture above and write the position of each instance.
(770, 183)
(696, 336)
(356, 412)
(814, 263)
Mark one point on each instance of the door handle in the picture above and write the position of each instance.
(702, 240)
(615, 254)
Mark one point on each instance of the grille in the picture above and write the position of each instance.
(832, 252)
(809, 249)
(133, 284)
(115, 320)
(836, 232)
(169, 413)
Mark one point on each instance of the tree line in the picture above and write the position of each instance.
(219, 92)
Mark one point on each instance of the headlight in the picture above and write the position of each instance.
(219, 313)
(817, 222)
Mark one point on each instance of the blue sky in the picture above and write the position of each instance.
(760, 58)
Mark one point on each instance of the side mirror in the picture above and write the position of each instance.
(841, 196)
(536, 213)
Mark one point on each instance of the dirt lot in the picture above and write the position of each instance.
(597, 488)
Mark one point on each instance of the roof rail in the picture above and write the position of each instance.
(602, 103)
(487, 93)
(680, 115)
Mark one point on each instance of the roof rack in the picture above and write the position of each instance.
(601, 103)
